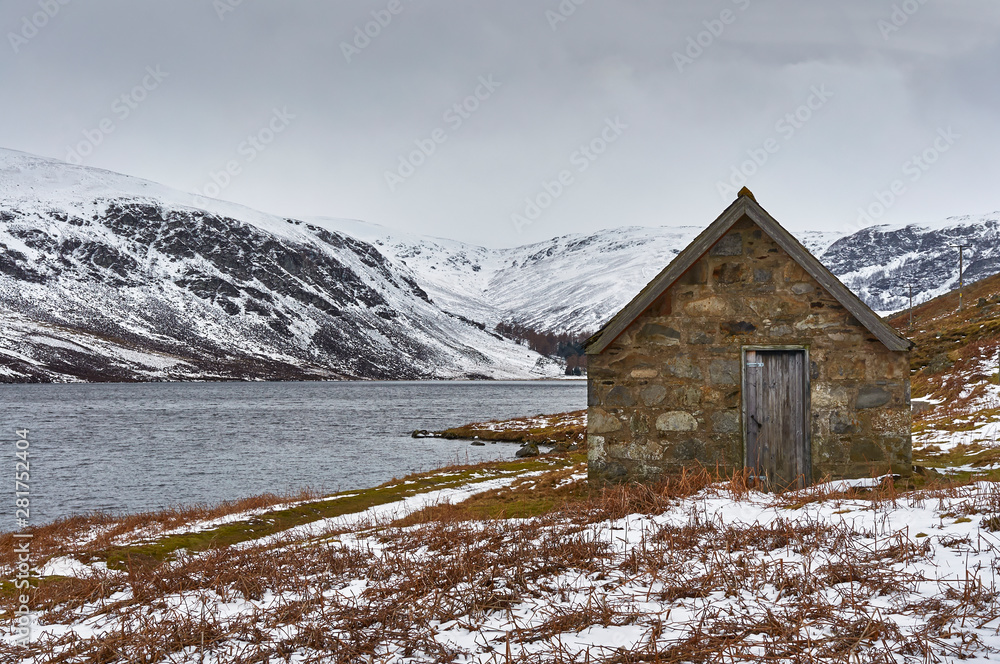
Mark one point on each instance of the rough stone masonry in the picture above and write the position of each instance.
(666, 392)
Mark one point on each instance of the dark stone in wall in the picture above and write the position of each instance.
(619, 397)
(724, 372)
(863, 451)
(696, 275)
(728, 273)
(686, 396)
(652, 394)
(727, 421)
(691, 449)
(872, 396)
(639, 424)
(593, 393)
(682, 367)
(742, 327)
(604, 472)
(841, 423)
(730, 244)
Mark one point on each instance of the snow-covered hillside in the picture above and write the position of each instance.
(575, 283)
(568, 284)
(879, 262)
(572, 283)
(843, 572)
(107, 277)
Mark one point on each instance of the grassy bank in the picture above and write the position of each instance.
(554, 429)
(155, 537)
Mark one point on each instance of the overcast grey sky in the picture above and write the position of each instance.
(821, 106)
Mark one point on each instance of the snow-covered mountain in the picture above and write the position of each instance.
(567, 284)
(575, 283)
(572, 283)
(108, 277)
(879, 262)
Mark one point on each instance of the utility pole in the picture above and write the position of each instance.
(961, 283)
(910, 286)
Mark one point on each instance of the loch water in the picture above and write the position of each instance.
(148, 446)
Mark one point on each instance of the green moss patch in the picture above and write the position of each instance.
(350, 502)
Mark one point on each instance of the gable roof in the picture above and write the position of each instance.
(746, 206)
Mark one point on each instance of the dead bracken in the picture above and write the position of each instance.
(465, 567)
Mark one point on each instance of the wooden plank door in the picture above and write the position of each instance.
(776, 419)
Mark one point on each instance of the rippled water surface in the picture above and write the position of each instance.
(136, 447)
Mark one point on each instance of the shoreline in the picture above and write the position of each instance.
(487, 381)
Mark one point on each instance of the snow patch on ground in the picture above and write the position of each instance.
(751, 568)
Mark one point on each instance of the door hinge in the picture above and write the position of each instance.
(753, 365)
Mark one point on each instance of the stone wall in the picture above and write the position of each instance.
(667, 392)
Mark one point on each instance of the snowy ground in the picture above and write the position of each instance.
(714, 573)
(972, 420)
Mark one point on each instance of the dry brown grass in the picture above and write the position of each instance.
(949, 341)
(99, 531)
(794, 589)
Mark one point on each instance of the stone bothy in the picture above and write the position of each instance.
(745, 352)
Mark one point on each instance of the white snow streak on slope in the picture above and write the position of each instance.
(388, 512)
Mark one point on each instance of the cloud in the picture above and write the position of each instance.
(355, 118)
